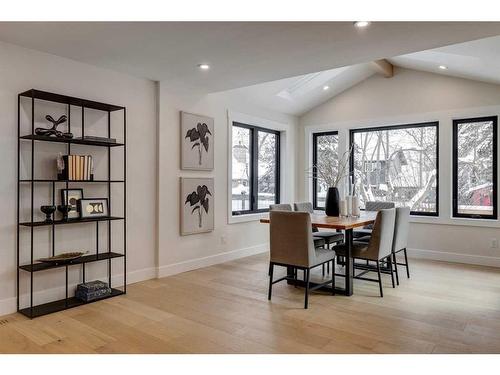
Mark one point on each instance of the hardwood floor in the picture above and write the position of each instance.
(443, 308)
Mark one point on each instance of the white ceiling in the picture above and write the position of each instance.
(240, 53)
(478, 60)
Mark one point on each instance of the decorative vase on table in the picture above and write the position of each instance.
(332, 202)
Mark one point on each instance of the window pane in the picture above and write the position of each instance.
(397, 165)
(475, 168)
(267, 170)
(241, 169)
(327, 160)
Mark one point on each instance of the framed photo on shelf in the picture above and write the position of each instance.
(93, 207)
(71, 198)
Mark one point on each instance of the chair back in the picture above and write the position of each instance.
(280, 207)
(401, 228)
(382, 237)
(377, 206)
(291, 238)
(304, 207)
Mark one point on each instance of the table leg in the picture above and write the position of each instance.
(349, 263)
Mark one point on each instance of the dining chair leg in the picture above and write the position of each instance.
(406, 262)
(306, 301)
(395, 267)
(271, 269)
(295, 274)
(389, 264)
(323, 269)
(328, 267)
(379, 279)
(333, 276)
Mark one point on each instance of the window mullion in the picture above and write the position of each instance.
(255, 169)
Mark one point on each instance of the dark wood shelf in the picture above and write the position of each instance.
(84, 259)
(77, 141)
(69, 181)
(69, 221)
(63, 304)
(64, 99)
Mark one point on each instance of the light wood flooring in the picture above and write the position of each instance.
(443, 308)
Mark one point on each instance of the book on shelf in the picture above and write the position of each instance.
(77, 168)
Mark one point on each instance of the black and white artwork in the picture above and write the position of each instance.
(197, 205)
(197, 142)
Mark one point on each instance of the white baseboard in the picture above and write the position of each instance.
(479, 260)
(9, 305)
(189, 265)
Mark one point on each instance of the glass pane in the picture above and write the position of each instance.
(267, 168)
(241, 169)
(397, 165)
(327, 161)
(475, 168)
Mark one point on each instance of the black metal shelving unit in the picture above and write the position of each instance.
(97, 255)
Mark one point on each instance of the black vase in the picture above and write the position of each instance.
(332, 202)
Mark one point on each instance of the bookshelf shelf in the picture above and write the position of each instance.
(30, 184)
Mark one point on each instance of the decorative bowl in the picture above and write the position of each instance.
(48, 210)
(63, 258)
(64, 209)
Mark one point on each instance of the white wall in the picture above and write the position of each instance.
(22, 69)
(228, 241)
(411, 97)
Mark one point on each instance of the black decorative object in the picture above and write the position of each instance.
(53, 131)
(102, 249)
(48, 210)
(92, 291)
(64, 209)
(332, 202)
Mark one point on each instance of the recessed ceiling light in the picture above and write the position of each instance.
(361, 24)
(204, 66)
(326, 88)
(443, 67)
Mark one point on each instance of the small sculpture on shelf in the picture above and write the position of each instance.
(64, 209)
(53, 131)
(48, 211)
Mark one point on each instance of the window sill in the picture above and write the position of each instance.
(464, 222)
(234, 219)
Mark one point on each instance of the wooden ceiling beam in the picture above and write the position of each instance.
(383, 67)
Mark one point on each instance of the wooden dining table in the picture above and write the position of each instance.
(346, 224)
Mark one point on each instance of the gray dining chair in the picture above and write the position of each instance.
(318, 241)
(378, 249)
(364, 233)
(330, 237)
(400, 242)
(292, 245)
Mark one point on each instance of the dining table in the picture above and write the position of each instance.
(343, 223)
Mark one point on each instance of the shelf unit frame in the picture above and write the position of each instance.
(32, 310)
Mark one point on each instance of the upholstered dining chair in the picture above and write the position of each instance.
(318, 241)
(400, 242)
(330, 237)
(292, 245)
(378, 249)
(364, 234)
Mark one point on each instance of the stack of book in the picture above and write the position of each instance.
(77, 167)
(92, 290)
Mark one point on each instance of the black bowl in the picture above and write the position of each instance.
(48, 211)
(64, 209)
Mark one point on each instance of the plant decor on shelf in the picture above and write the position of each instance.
(330, 172)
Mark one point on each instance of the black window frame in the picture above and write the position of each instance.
(254, 167)
(456, 123)
(315, 137)
(397, 127)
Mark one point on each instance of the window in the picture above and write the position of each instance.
(255, 169)
(397, 164)
(325, 158)
(475, 168)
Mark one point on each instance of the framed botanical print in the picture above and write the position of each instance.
(197, 142)
(93, 207)
(197, 205)
(71, 197)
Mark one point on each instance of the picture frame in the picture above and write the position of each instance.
(197, 205)
(93, 207)
(73, 196)
(197, 142)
